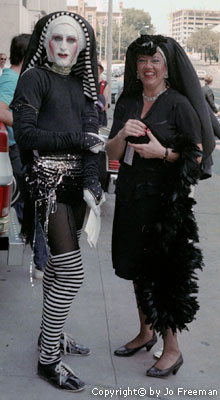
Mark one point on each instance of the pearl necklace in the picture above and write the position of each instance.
(153, 98)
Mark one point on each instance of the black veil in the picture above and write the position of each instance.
(181, 76)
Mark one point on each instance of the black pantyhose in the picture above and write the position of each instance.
(63, 226)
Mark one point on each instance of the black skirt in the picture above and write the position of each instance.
(128, 238)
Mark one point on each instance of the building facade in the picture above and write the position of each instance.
(87, 10)
(183, 23)
(96, 13)
(20, 16)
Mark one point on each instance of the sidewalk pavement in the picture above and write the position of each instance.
(104, 317)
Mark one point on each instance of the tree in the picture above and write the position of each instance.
(205, 42)
(132, 21)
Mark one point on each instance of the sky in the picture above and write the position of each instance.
(159, 9)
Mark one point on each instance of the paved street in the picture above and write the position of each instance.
(104, 316)
(213, 69)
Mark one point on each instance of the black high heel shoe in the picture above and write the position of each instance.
(124, 351)
(155, 372)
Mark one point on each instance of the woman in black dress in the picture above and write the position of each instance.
(56, 125)
(161, 124)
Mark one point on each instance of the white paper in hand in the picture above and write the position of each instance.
(92, 228)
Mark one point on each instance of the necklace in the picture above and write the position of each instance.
(61, 70)
(153, 98)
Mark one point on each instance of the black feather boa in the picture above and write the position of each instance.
(166, 284)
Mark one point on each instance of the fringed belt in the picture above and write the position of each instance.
(47, 175)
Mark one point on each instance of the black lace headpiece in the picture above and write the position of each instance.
(147, 44)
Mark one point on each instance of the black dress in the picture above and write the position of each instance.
(154, 229)
(139, 187)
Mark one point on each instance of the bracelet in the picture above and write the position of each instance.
(166, 154)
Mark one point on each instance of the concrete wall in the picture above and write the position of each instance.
(47, 5)
(16, 19)
(9, 11)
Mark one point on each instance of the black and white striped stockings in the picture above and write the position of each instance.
(63, 277)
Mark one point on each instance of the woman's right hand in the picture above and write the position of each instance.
(133, 127)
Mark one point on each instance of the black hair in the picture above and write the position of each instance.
(147, 44)
(18, 48)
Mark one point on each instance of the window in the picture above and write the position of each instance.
(90, 18)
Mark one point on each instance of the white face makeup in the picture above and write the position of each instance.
(62, 46)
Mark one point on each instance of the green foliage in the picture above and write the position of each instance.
(131, 23)
(137, 19)
(206, 42)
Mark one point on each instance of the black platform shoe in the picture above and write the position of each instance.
(60, 376)
(162, 373)
(69, 346)
(124, 351)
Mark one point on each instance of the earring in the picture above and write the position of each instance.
(166, 75)
(138, 77)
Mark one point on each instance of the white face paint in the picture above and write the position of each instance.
(62, 46)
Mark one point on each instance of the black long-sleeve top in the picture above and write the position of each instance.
(50, 111)
(50, 115)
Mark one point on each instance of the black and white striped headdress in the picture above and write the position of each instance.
(86, 65)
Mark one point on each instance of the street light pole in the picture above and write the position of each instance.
(109, 47)
(100, 43)
(106, 26)
(119, 38)
(219, 50)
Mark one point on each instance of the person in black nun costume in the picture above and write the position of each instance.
(161, 131)
(56, 125)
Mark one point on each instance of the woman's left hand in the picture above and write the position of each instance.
(153, 149)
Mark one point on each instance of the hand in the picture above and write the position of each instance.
(153, 149)
(91, 202)
(133, 127)
(93, 142)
